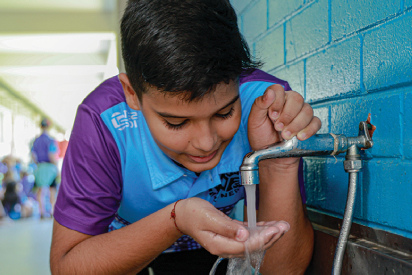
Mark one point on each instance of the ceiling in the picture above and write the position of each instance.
(55, 5)
(54, 52)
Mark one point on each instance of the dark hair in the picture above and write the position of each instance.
(11, 198)
(183, 46)
(44, 123)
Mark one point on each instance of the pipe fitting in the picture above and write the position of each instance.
(352, 165)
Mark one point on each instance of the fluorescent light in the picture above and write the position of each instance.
(57, 43)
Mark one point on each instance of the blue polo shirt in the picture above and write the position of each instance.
(115, 174)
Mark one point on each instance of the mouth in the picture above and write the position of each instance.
(202, 159)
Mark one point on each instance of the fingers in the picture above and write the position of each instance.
(295, 117)
(226, 227)
(264, 236)
(277, 111)
(292, 106)
(221, 246)
(211, 228)
(283, 228)
(219, 234)
(314, 126)
(208, 218)
(260, 238)
(239, 222)
(304, 125)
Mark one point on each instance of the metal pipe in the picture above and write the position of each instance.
(324, 144)
(214, 267)
(352, 165)
(346, 225)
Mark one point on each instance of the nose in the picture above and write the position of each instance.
(204, 137)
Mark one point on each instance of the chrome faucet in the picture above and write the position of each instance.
(323, 144)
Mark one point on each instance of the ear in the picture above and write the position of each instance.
(131, 97)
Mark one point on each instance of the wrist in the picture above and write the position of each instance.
(176, 216)
(173, 215)
(284, 166)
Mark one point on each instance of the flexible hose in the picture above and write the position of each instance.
(346, 224)
(214, 267)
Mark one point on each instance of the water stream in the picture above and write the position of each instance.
(243, 266)
(251, 205)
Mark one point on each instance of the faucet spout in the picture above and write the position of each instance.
(322, 144)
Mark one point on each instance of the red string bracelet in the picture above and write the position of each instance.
(173, 216)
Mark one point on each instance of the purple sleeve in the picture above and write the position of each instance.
(90, 189)
(259, 75)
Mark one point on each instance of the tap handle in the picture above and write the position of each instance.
(366, 130)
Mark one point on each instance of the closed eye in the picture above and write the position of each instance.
(227, 115)
(174, 126)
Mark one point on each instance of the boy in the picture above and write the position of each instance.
(154, 153)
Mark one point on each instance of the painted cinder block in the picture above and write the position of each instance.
(307, 30)
(348, 16)
(323, 115)
(387, 196)
(270, 49)
(239, 5)
(294, 75)
(333, 72)
(255, 20)
(314, 177)
(326, 185)
(407, 124)
(387, 54)
(280, 9)
(385, 109)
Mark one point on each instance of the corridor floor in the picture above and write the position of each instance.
(25, 247)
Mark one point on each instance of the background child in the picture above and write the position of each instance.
(44, 155)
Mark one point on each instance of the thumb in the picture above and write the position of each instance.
(229, 228)
(259, 111)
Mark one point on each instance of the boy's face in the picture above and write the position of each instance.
(194, 134)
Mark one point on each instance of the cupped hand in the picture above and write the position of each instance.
(280, 115)
(218, 233)
(258, 241)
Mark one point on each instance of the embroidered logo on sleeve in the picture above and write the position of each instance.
(124, 120)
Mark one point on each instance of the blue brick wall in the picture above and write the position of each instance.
(387, 53)
(323, 114)
(295, 74)
(307, 30)
(254, 14)
(281, 9)
(270, 48)
(347, 58)
(352, 15)
(407, 122)
(334, 72)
